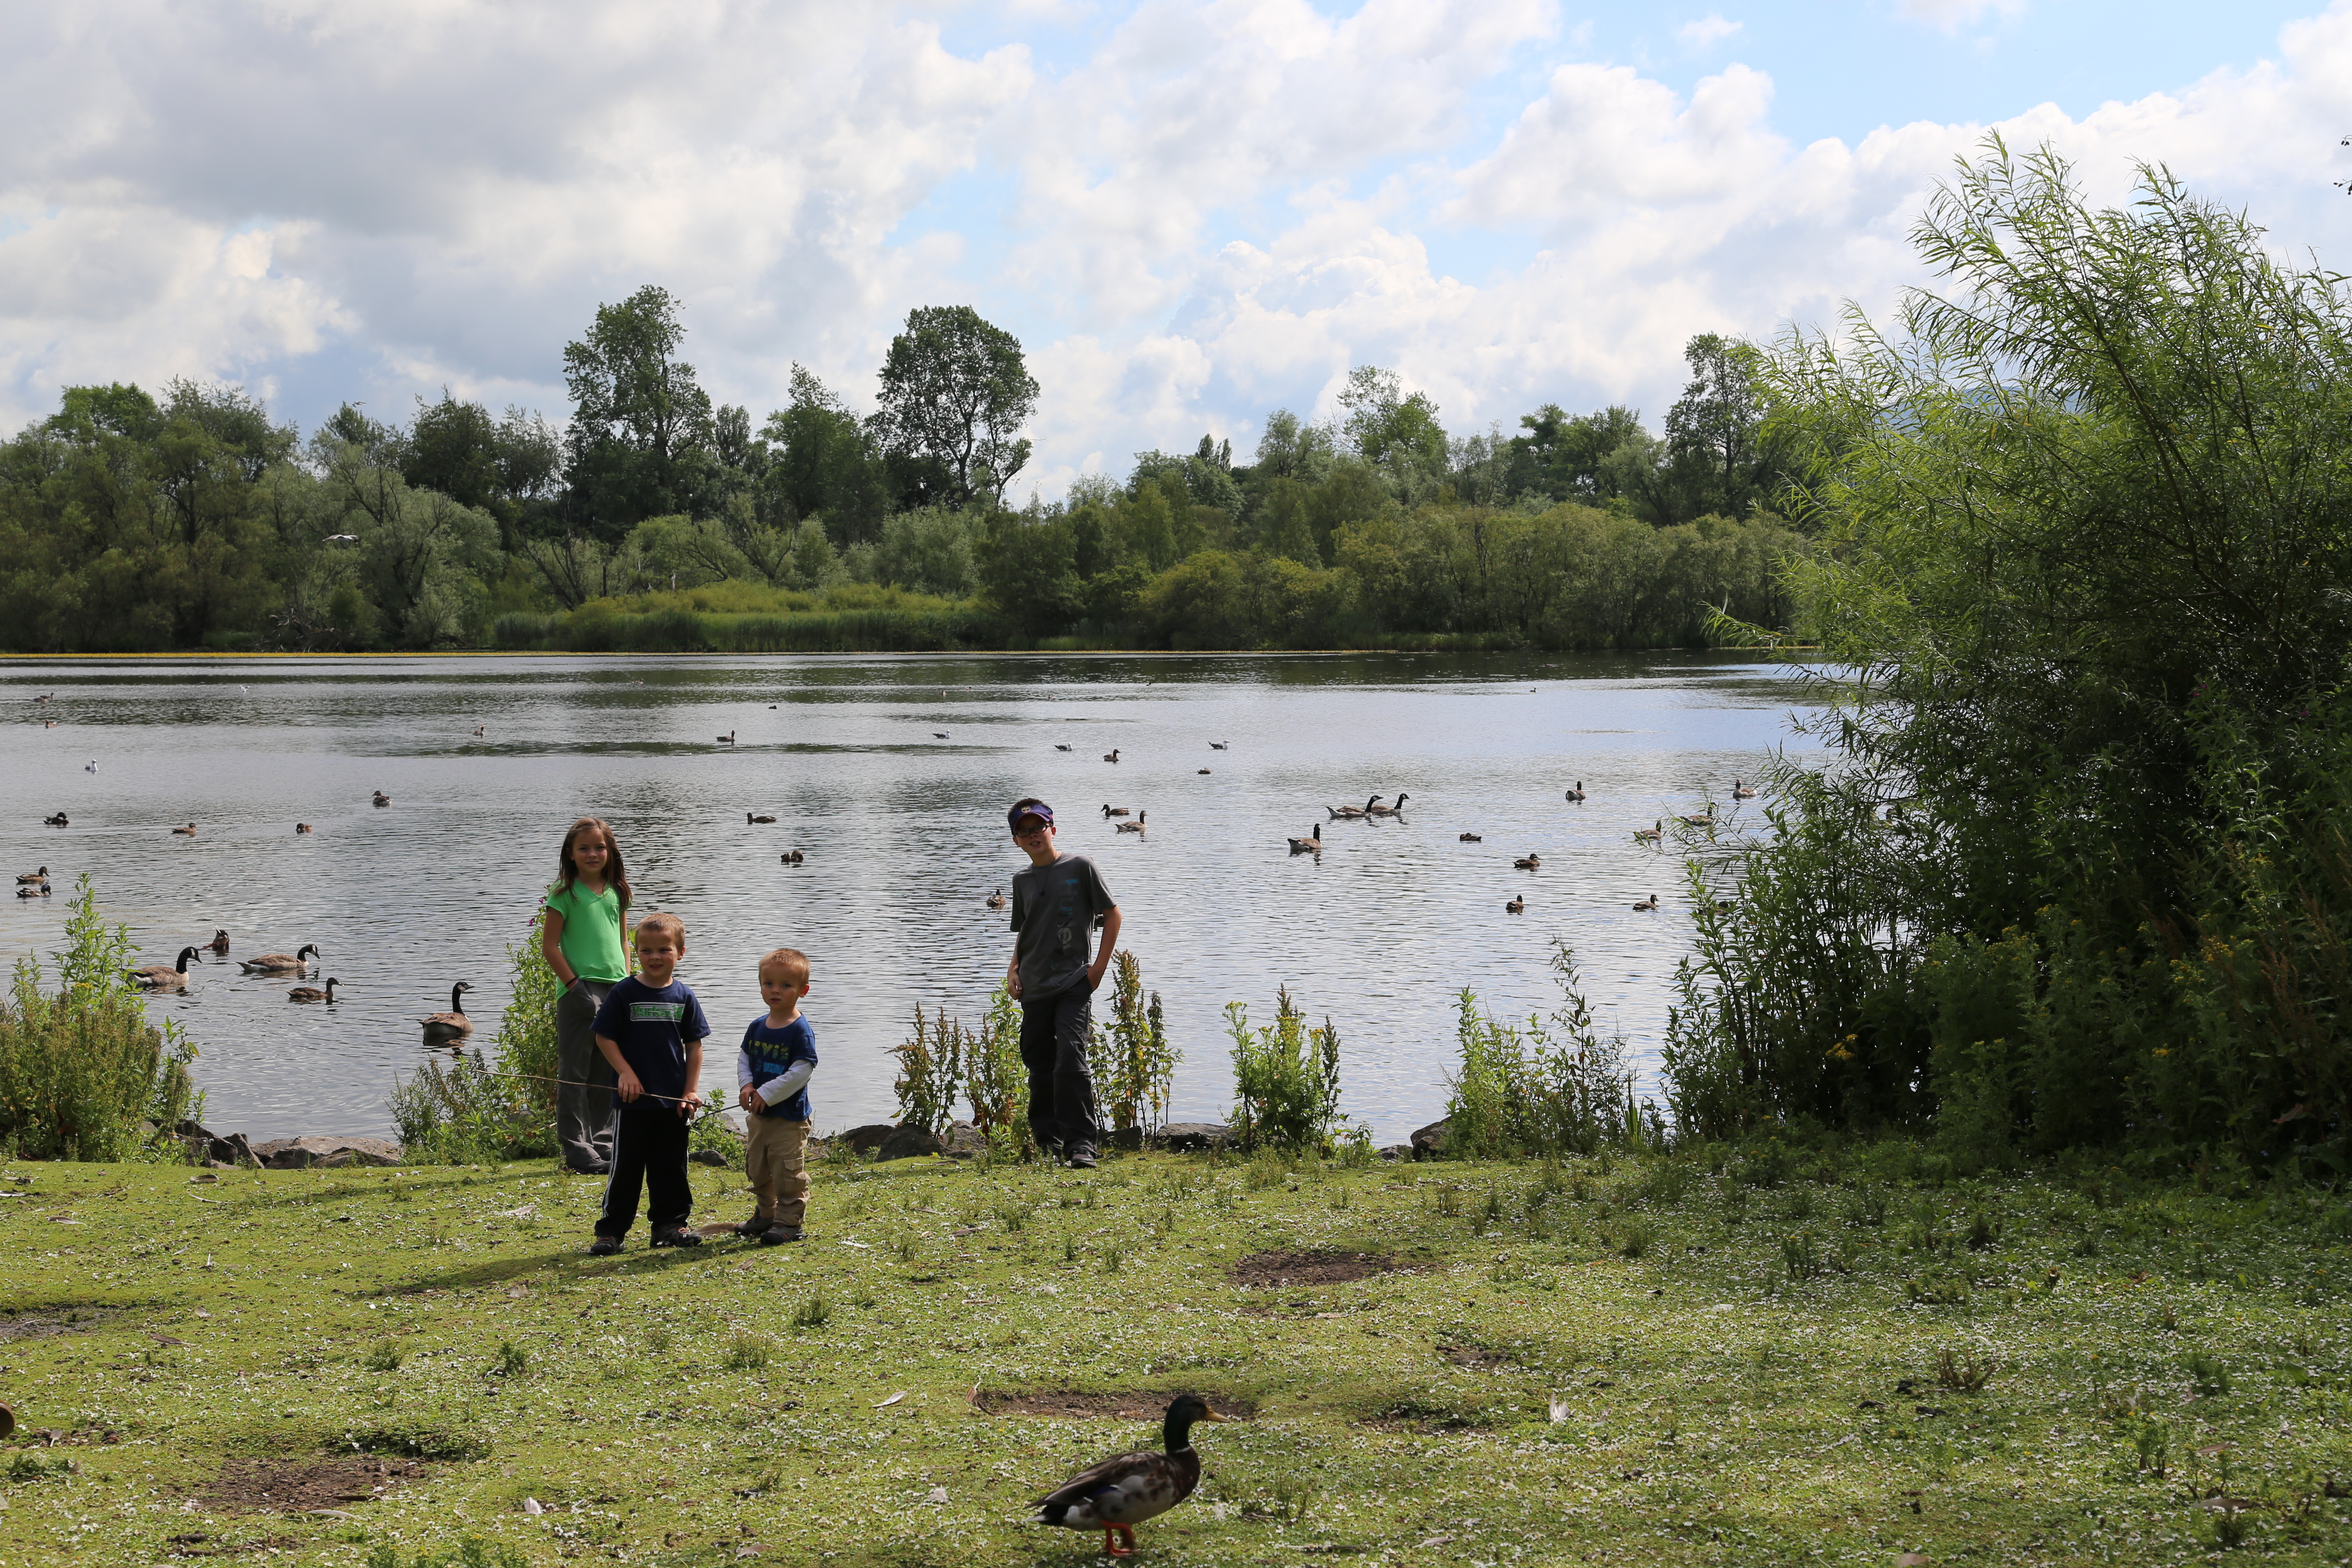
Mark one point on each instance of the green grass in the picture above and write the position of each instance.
(1593, 1360)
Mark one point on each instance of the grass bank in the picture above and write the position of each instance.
(1723, 1359)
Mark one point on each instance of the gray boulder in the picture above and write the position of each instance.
(323, 1152)
(1181, 1135)
(1429, 1143)
(868, 1139)
(909, 1143)
(964, 1142)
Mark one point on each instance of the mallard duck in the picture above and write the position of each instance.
(219, 942)
(34, 891)
(791, 858)
(750, 816)
(382, 798)
(1651, 835)
(1739, 790)
(996, 899)
(302, 828)
(1114, 810)
(1649, 903)
(1517, 906)
(1111, 756)
(1311, 844)
(1121, 1493)
(1472, 838)
(1576, 794)
(312, 994)
(448, 1029)
(1528, 862)
(157, 978)
(1350, 813)
(57, 821)
(1135, 827)
(1396, 810)
(188, 832)
(727, 739)
(279, 963)
(1205, 773)
(40, 876)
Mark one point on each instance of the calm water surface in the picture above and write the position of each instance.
(904, 834)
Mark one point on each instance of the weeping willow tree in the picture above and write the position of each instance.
(2078, 872)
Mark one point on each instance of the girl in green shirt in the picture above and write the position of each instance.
(580, 938)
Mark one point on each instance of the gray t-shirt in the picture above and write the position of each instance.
(1054, 909)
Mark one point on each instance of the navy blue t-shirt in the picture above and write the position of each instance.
(769, 1054)
(652, 1028)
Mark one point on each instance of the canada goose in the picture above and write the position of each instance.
(57, 821)
(219, 942)
(1517, 906)
(1350, 813)
(1530, 861)
(1724, 906)
(478, 730)
(1135, 827)
(1706, 821)
(939, 735)
(188, 832)
(1311, 844)
(1396, 810)
(382, 798)
(1216, 745)
(49, 723)
(448, 1029)
(1651, 835)
(312, 994)
(996, 899)
(279, 963)
(1576, 794)
(158, 978)
(791, 858)
(90, 766)
(748, 816)
(1059, 747)
(1121, 1492)
(1472, 838)
(45, 696)
(1109, 810)
(1649, 903)
(1739, 790)
(727, 739)
(1111, 756)
(40, 876)
(302, 828)
(1204, 770)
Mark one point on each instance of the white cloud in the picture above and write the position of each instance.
(1951, 15)
(1707, 32)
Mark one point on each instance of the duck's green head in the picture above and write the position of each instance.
(1182, 1412)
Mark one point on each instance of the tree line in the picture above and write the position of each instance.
(191, 519)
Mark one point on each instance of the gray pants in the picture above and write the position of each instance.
(583, 1101)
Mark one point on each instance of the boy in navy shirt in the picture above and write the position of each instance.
(771, 1075)
(651, 1030)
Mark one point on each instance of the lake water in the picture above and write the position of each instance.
(903, 832)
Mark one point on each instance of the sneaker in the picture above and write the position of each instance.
(777, 1235)
(1082, 1159)
(753, 1227)
(676, 1236)
(605, 1246)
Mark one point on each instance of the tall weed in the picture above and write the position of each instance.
(1286, 1077)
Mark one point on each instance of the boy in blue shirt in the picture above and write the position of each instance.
(771, 1075)
(651, 1030)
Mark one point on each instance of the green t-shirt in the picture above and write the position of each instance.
(591, 930)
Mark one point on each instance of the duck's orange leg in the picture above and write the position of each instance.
(1112, 1550)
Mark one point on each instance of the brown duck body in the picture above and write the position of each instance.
(1123, 1491)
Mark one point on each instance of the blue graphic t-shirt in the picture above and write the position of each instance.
(652, 1028)
(779, 1058)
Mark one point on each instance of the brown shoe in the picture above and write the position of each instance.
(775, 1235)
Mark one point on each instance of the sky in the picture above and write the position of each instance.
(1191, 212)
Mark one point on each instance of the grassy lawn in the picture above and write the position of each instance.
(1733, 1359)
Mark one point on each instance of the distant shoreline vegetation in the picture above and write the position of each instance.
(651, 520)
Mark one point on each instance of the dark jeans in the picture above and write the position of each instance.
(648, 1147)
(583, 1101)
(1061, 1088)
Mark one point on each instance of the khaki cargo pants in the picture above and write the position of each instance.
(775, 1158)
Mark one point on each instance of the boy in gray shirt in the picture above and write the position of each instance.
(1055, 903)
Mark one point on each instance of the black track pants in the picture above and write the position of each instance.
(1061, 1088)
(648, 1147)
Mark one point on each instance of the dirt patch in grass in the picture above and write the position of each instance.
(1314, 1266)
(298, 1486)
(200, 1545)
(47, 1320)
(1074, 1405)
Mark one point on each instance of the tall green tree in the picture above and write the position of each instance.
(826, 463)
(955, 394)
(637, 414)
(1390, 427)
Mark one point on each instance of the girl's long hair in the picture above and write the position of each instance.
(617, 876)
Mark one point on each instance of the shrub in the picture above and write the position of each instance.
(1134, 1067)
(930, 1070)
(996, 1081)
(1286, 1076)
(1555, 1086)
(83, 1074)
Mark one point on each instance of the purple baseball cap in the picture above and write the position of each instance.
(1037, 808)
